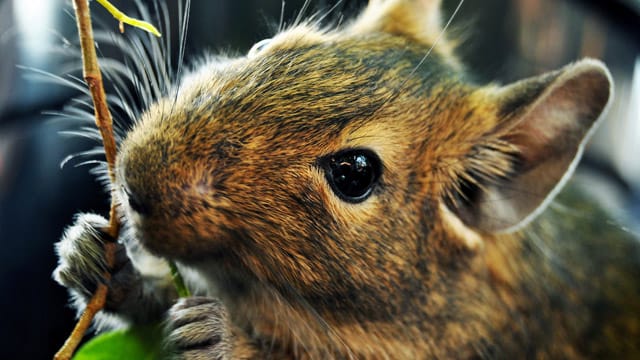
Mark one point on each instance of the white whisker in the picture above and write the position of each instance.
(301, 13)
(321, 18)
(281, 21)
(438, 39)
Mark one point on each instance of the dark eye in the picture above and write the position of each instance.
(135, 203)
(352, 174)
(259, 46)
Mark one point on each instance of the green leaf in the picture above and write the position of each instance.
(138, 342)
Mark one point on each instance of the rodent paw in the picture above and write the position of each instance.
(197, 328)
(82, 264)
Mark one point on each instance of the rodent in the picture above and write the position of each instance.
(332, 195)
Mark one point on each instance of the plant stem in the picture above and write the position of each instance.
(93, 78)
(178, 281)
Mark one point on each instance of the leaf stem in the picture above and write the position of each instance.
(123, 18)
(178, 281)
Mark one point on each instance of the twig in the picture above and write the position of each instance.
(92, 76)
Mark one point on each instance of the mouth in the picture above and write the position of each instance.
(185, 240)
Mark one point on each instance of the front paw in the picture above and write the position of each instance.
(82, 263)
(197, 328)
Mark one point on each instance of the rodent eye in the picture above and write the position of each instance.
(352, 174)
(259, 46)
(135, 203)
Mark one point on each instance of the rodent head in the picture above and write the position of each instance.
(236, 168)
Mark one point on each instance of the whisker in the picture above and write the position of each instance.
(321, 18)
(184, 28)
(301, 13)
(138, 76)
(82, 133)
(97, 151)
(89, 162)
(182, 34)
(438, 39)
(162, 14)
(281, 21)
(537, 241)
(441, 35)
(56, 79)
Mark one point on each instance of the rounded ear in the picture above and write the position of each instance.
(544, 124)
(417, 19)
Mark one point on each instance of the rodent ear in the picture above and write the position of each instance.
(418, 19)
(544, 123)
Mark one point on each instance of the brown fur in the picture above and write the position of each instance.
(226, 178)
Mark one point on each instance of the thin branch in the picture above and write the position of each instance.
(93, 78)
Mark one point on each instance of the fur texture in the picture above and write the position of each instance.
(448, 257)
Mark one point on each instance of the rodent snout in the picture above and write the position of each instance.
(139, 177)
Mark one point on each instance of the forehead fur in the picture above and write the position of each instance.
(313, 78)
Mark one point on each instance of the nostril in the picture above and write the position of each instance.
(135, 203)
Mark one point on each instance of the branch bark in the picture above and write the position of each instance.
(104, 122)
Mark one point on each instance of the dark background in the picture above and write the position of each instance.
(506, 40)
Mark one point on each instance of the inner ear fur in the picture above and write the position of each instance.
(544, 123)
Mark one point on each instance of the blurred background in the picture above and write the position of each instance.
(505, 40)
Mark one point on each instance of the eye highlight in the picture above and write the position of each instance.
(258, 47)
(352, 174)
